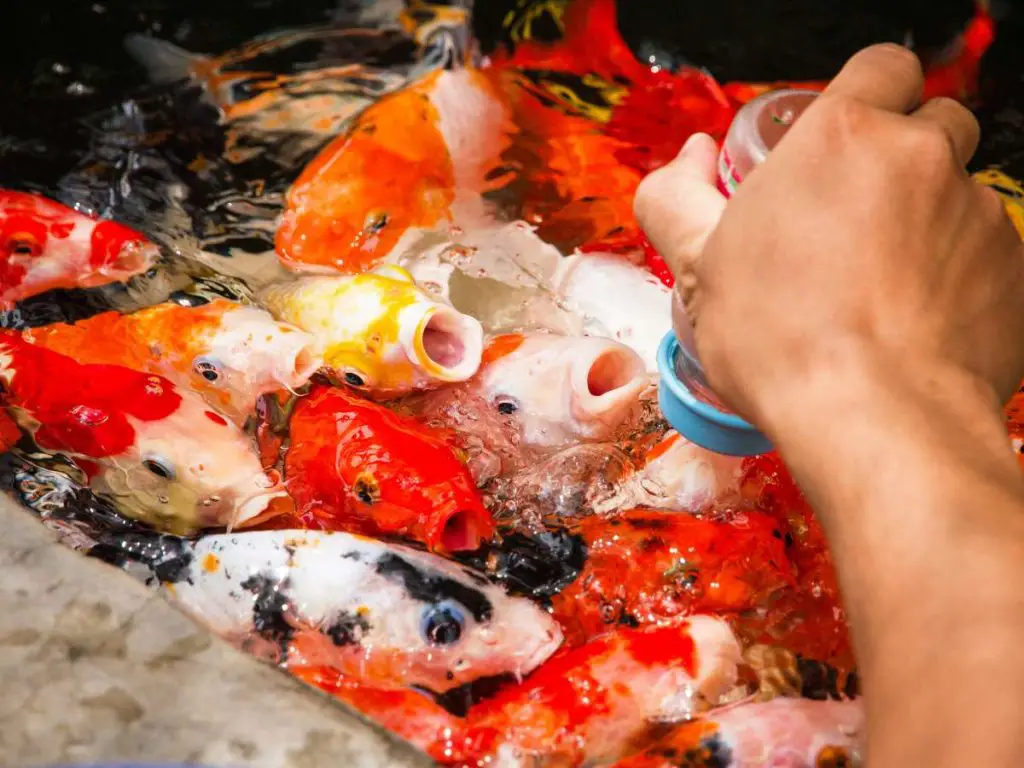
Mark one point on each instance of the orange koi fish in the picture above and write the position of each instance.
(408, 714)
(410, 160)
(807, 618)
(795, 733)
(589, 705)
(161, 454)
(45, 246)
(646, 567)
(228, 353)
(356, 466)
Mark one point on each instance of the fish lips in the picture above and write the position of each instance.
(607, 384)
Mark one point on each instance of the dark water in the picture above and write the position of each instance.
(63, 59)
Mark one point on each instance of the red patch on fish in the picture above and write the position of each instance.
(501, 346)
(656, 568)
(808, 617)
(558, 711)
(33, 228)
(357, 466)
(83, 409)
(410, 715)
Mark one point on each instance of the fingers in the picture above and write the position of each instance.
(885, 76)
(679, 206)
(957, 122)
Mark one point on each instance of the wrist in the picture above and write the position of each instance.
(862, 408)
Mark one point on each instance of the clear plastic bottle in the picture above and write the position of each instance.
(687, 400)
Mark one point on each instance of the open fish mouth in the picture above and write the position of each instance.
(259, 508)
(298, 363)
(447, 344)
(607, 383)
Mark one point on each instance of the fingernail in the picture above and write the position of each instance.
(688, 145)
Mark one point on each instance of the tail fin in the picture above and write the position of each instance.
(164, 61)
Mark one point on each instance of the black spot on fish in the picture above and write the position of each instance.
(538, 566)
(354, 555)
(852, 687)
(348, 629)
(168, 557)
(629, 620)
(821, 681)
(433, 587)
(649, 523)
(458, 701)
(712, 752)
(270, 611)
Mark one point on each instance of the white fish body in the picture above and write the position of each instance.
(617, 299)
(388, 614)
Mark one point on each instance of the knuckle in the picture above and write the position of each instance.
(894, 58)
(843, 116)
(930, 147)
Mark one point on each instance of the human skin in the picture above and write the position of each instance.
(861, 300)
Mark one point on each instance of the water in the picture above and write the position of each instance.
(203, 171)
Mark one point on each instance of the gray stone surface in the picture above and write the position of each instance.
(93, 667)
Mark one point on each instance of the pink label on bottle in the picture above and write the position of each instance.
(728, 177)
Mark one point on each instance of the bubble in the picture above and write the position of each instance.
(89, 417)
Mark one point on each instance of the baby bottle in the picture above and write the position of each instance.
(687, 401)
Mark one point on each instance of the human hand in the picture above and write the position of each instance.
(859, 249)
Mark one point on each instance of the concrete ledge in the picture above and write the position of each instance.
(94, 667)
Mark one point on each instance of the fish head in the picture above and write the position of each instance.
(450, 626)
(564, 388)
(247, 354)
(189, 470)
(119, 253)
(381, 334)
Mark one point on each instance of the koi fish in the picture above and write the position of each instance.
(409, 714)
(808, 617)
(562, 388)
(617, 300)
(332, 74)
(646, 567)
(161, 454)
(1010, 190)
(379, 332)
(796, 733)
(409, 161)
(589, 705)
(45, 245)
(228, 353)
(681, 476)
(357, 466)
(385, 615)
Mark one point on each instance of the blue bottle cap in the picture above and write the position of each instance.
(698, 421)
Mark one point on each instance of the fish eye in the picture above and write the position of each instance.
(159, 466)
(354, 379)
(375, 222)
(443, 624)
(507, 406)
(208, 368)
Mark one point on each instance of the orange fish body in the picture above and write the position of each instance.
(161, 453)
(228, 353)
(796, 733)
(807, 618)
(646, 567)
(45, 246)
(401, 165)
(589, 705)
(408, 714)
(356, 466)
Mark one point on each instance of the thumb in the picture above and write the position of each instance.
(678, 206)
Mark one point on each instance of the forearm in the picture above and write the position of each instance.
(936, 602)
